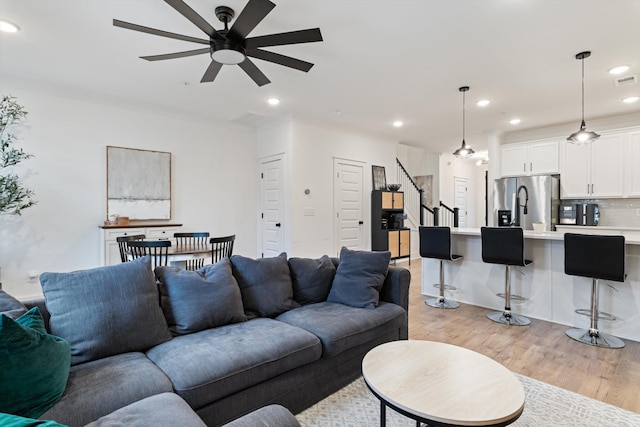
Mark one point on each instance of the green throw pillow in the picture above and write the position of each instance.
(35, 365)
(7, 420)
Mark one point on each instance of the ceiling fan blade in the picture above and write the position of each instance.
(194, 17)
(276, 58)
(142, 29)
(176, 55)
(249, 18)
(292, 37)
(212, 72)
(253, 72)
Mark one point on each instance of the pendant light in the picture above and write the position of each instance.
(583, 136)
(464, 151)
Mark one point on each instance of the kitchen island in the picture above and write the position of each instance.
(550, 294)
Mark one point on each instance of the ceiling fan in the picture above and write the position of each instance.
(231, 45)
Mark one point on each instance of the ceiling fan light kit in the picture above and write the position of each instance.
(583, 136)
(464, 151)
(231, 46)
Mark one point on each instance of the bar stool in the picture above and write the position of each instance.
(435, 242)
(505, 245)
(597, 257)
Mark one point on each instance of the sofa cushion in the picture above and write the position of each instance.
(311, 279)
(341, 327)
(202, 299)
(265, 284)
(8, 420)
(11, 307)
(215, 363)
(34, 366)
(359, 278)
(161, 410)
(267, 416)
(107, 310)
(100, 387)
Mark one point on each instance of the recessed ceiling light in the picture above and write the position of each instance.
(631, 99)
(483, 103)
(619, 69)
(514, 121)
(397, 123)
(8, 27)
(273, 101)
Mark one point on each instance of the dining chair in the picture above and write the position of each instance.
(157, 250)
(122, 244)
(192, 240)
(221, 247)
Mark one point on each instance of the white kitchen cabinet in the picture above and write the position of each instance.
(631, 173)
(593, 170)
(110, 254)
(530, 158)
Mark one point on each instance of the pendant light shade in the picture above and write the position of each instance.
(463, 152)
(583, 136)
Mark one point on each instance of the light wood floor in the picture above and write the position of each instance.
(541, 350)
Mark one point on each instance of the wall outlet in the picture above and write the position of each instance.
(33, 276)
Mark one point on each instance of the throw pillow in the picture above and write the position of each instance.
(359, 278)
(8, 420)
(202, 299)
(34, 365)
(265, 284)
(11, 307)
(311, 279)
(107, 310)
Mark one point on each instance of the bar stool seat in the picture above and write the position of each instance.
(505, 245)
(435, 242)
(600, 258)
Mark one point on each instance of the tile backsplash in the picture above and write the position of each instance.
(616, 212)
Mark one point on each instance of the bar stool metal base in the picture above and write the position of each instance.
(595, 338)
(508, 318)
(441, 302)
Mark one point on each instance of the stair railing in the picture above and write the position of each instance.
(450, 217)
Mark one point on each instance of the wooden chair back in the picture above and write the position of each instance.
(122, 244)
(157, 250)
(192, 240)
(221, 247)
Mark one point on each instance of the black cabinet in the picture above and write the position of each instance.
(388, 232)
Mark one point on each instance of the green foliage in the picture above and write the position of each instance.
(13, 196)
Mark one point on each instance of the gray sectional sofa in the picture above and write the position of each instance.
(229, 339)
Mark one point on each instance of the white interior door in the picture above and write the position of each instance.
(272, 206)
(348, 205)
(460, 196)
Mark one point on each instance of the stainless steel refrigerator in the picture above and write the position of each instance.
(542, 203)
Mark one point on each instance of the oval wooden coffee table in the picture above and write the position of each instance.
(442, 384)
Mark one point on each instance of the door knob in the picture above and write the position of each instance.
(360, 222)
(277, 224)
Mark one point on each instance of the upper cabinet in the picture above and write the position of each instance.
(631, 171)
(593, 170)
(530, 158)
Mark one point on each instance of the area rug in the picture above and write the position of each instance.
(545, 406)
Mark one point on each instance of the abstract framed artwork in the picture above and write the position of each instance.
(379, 178)
(138, 183)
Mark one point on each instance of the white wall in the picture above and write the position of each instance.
(213, 181)
(451, 167)
(310, 149)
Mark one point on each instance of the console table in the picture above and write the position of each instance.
(109, 252)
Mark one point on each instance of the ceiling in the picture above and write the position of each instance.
(380, 61)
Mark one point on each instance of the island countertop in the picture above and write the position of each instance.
(632, 236)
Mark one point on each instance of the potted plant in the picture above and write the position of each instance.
(14, 197)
